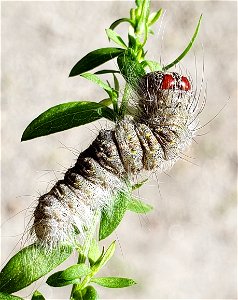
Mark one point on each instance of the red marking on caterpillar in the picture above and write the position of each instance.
(170, 81)
(185, 84)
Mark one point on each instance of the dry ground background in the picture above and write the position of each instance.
(186, 248)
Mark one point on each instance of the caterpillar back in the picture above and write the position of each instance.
(152, 137)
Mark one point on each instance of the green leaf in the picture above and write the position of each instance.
(77, 295)
(153, 65)
(5, 296)
(94, 59)
(119, 21)
(139, 184)
(56, 280)
(181, 56)
(116, 83)
(133, 15)
(69, 276)
(111, 219)
(113, 282)
(30, 264)
(94, 252)
(106, 72)
(132, 71)
(106, 101)
(89, 293)
(115, 38)
(132, 41)
(65, 116)
(75, 271)
(154, 17)
(138, 206)
(130, 68)
(143, 16)
(94, 78)
(138, 2)
(37, 296)
(104, 258)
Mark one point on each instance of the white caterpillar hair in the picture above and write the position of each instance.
(151, 137)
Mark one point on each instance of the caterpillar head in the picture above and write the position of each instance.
(162, 94)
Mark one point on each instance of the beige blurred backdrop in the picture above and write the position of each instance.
(185, 248)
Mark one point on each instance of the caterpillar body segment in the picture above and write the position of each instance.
(152, 139)
(129, 146)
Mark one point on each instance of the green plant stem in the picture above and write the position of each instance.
(124, 100)
(86, 280)
(85, 249)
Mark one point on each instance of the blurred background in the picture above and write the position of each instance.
(185, 248)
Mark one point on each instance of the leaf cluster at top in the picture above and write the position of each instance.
(132, 65)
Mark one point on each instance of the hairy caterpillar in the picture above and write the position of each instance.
(152, 137)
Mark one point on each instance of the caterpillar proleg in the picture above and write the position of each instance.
(151, 138)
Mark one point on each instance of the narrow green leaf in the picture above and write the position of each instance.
(89, 293)
(116, 83)
(133, 15)
(37, 296)
(5, 296)
(132, 71)
(56, 280)
(138, 206)
(115, 38)
(154, 17)
(94, 252)
(69, 276)
(132, 41)
(77, 295)
(139, 184)
(94, 78)
(106, 72)
(30, 264)
(130, 68)
(111, 219)
(153, 65)
(113, 282)
(104, 258)
(106, 102)
(143, 16)
(75, 271)
(65, 116)
(108, 83)
(119, 21)
(181, 56)
(94, 59)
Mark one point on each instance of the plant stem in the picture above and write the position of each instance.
(124, 100)
(85, 249)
